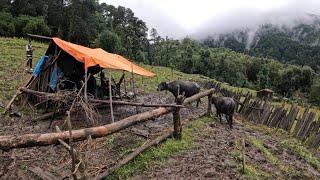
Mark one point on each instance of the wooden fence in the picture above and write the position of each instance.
(304, 127)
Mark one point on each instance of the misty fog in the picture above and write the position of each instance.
(203, 18)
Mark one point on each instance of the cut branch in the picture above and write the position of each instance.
(134, 104)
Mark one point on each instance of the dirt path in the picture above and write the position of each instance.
(218, 156)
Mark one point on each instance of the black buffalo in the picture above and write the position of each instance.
(224, 105)
(179, 87)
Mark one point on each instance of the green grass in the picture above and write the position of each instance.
(250, 171)
(156, 156)
(12, 64)
(259, 144)
(292, 144)
(295, 147)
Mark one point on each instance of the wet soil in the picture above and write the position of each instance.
(211, 159)
(101, 153)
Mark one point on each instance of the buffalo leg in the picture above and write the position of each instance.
(230, 120)
(220, 116)
(198, 102)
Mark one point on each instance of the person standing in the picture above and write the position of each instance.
(29, 51)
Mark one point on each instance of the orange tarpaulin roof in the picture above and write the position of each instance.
(92, 57)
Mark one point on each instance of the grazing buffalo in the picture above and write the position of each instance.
(179, 87)
(264, 93)
(224, 105)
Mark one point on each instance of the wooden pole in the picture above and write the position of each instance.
(209, 111)
(142, 79)
(10, 102)
(125, 84)
(176, 119)
(243, 155)
(121, 103)
(110, 98)
(197, 96)
(171, 71)
(85, 84)
(132, 83)
(133, 88)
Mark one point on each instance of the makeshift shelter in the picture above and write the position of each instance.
(70, 62)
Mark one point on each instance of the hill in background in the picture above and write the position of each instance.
(295, 43)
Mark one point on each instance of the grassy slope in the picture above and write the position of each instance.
(12, 64)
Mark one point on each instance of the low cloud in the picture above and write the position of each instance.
(201, 18)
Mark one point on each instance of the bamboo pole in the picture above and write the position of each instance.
(110, 98)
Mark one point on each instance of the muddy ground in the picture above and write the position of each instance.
(215, 155)
(102, 152)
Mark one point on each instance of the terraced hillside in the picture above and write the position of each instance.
(208, 148)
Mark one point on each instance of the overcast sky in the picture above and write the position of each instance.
(179, 18)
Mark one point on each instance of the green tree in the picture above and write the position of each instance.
(140, 57)
(7, 27)
(315, 91)
(109, 41)
(36, 25)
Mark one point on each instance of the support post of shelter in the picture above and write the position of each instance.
(125, 84)
(177, 134)
(110, 98)
(85, 83)
(132, 83)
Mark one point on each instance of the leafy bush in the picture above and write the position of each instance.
(36, 25)
(109, 41)
(6, 24)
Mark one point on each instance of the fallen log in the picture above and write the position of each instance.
(197, 96)
(142, 148)
(31, 140)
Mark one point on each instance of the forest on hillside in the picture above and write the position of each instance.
(118, 30)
